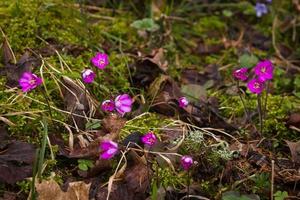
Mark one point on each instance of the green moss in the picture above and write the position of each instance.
(167, 177)
(144, 123)
(206, 25)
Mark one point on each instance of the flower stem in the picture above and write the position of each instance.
(259, 107)
(243, 102)
(48, 105)
(188, 184)
(266, 99)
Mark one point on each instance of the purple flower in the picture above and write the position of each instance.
(241, 74)
(256, 86)
(109, 149)
(261, 9)
(183, 102)
(100, 60)
(269, 1)
(123, 103)
(108, 105)
(29, 81)
(149, 139)
(264, 70)
(186, 162)
(88, 76)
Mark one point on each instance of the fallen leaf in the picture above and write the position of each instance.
(295, 150)
(16, 159)
(148, 68)
(50, 190)
(133, 186)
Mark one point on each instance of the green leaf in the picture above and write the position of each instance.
(234, 195)
(145, 24)
(279, 195)
(247, 60)
(83, 167)
(193, 92)
(92, 125)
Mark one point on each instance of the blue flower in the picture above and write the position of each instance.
(261, 9)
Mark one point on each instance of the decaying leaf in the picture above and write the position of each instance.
(16, 159)
(148, 68)
(50, 190)
(295, 150)
(133, 186)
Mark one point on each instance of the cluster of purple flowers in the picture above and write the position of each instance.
(263, 72)
(109, 149)
(100, 60)
(122, 104)
(261, 8)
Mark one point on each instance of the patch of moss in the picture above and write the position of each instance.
(144, 123)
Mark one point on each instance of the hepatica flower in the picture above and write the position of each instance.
(108, 105)
(88, 76)
(186, 162)
(241, 74)
(264, 70)
(261, 9)
(100, 60)
(29, 81)
(149, 139)
(123, 103)
(183, 102)
(109, 149)
(256, 86)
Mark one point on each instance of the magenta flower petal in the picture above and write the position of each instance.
(149, 139)
(255, 86)
(264, 70)
(109, 149)
(123, 103)
(100, 60)
(108, 105)
(241, 74)
(29, 81)
(183, 102)
(186, 162)
(88, 76)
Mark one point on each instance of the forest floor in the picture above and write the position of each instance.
(244, 145)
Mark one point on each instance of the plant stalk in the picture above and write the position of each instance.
(266, 99)
(243, 102)
(259, 107)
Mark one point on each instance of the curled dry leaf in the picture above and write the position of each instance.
(12, 70)
(295, 150)
(76, 102)
(50, 190)
(148, 68)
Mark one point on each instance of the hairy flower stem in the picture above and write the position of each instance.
(188, 184)
(266, 99)
(148, 167)
(243, 102)
(259, 107)
(48, 105)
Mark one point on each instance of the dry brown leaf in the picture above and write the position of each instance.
(50, 190)
(295, 150)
